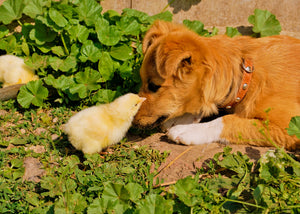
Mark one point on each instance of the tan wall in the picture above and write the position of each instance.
(220, 13)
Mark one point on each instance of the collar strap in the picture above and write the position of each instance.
(248, 68)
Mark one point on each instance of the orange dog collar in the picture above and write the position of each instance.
(248, 69)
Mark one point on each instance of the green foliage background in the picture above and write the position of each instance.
(84, 56)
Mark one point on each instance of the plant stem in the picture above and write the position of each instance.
(168, 5)
(64, 43)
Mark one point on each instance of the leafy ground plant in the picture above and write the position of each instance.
(121, 180)
(83, 57)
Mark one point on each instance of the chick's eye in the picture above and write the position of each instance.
(152, 87)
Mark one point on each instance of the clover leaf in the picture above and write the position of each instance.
(195, 26)
(32, 93)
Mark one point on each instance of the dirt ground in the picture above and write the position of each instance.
(184, 160)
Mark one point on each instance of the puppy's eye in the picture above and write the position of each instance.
(152, 87)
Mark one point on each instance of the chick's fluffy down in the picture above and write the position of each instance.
(97, 127)
(13, 70)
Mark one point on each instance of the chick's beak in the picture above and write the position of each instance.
(142, 99)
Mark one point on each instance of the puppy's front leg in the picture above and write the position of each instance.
(196, 134)
(234, 129)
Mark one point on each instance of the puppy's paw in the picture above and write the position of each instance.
(197, 134)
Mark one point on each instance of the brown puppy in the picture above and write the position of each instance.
(186, 74)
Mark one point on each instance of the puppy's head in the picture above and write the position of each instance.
(175, 75)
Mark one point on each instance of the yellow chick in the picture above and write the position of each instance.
(13, 71)
(98, 127)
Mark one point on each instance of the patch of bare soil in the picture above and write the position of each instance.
(184, 160)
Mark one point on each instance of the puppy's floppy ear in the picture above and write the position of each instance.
(158, 29)
(176, 65)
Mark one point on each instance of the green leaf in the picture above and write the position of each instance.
(58, 50)
(294, 127)
(32, 93)
(79, 32)
(125, 70)
(57, 17)
(36, 61)
(166, 16)
(232, 32)
(186, 190)
(141, 16)
(62, 64)
(34, 7)
(42, 34)
(129, 26)
(11, 10)
(87, 81)
(89, 51)
(264, 23)
(104, 96)
(107, 34)
(89, 11)
(155, 204)
(195, 26)
(114, 191)
(71, 203)
(123, 52)
(135, 190)
(106, 67)
(3, 31)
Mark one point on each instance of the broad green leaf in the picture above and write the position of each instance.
(166, 16)
(57, 17)
(232, 32)
(34, 7)
(123, 52)
(32, 198)
(155, 204)
(89, 51)
(86, 82)
(36, 61)
(11, 10)
(62, 82)
(125, 70)
(129, 26)
(142, 17)
(264, 23)
(62, 64)
(89, 11)
(186, 190)
(78, 32)
(3, 31)
(104, 96)
(99, 206)
(195, 26)
(114, 191)
(294, 127)
(135, 190)
(71, 203)
(42, 34)
(107, 34)
(58, 50)
(32, 93)
(106, 67)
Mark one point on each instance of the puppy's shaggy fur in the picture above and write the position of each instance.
(184, 73)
